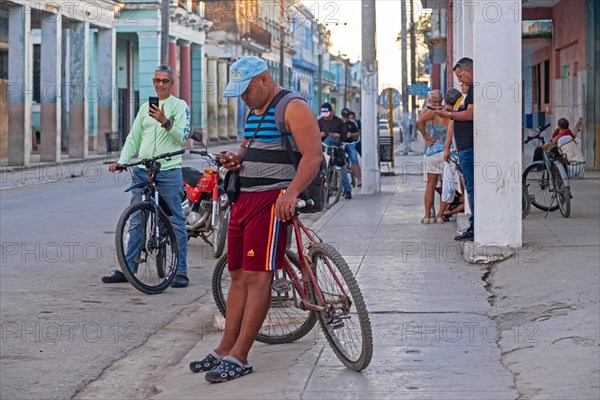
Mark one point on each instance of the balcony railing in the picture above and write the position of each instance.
(257, 34)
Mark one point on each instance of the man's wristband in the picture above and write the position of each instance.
(450, 114)
(166, 124)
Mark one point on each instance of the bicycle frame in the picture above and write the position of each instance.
(301, 283)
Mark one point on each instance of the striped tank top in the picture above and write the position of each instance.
(267, 164)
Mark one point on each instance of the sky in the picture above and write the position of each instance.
(343, 19)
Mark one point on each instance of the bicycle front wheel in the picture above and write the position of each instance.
(335, 188)
(537, 180)
(220, 233)
(563, 193)
(148, 260)
(284, 323)
(345, 320)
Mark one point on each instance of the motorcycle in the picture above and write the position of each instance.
(205, 203)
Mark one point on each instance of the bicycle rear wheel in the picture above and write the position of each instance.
(563, 193)
(148, 262)
(284, 323)
(537, 180)
(525, 202)
(345, 320)
(335, 188)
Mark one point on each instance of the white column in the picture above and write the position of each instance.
(222, 101)
(20, 84)
(212, 101)
(469, 10)
(371, 178)
(107, 87)
(50, 84)
(78, 114)
(497, 121)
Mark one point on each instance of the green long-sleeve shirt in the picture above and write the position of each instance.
(148, 139)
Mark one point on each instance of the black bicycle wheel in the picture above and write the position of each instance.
(149, 263)
(345, 320)
(220, 233)
(525, 202)
(563, 193)
(284, 323)
(537, 180)
(335, 188)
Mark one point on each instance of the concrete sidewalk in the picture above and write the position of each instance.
(443, 329)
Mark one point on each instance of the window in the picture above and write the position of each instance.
(37, 62)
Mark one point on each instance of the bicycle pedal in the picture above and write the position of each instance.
(337, 323)
(281, 285)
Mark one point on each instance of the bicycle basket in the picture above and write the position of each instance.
(576, 170)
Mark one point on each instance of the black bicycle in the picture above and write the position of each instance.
(335, 163)
(145, 240)
(546, 178)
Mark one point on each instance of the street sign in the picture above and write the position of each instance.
(383, 98)
(418, 89)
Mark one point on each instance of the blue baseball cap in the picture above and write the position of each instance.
(241, 72)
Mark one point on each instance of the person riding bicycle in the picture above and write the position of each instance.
(158, 130)
(353, 134)
(333, 133)
(269, 188)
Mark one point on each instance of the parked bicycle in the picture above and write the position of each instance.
(546, 178)
(335, 161)
(315, 284)
(145, 239)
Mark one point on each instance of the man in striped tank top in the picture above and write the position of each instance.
(270, 186)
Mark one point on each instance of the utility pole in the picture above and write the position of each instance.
(405, 125)
(320, 67)
(413, 74)
(346, 62)
(164, 32)
(281, 45)
(371, 182)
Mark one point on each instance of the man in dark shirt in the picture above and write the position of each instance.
(463, 137)
(352, 135)
(333, 132)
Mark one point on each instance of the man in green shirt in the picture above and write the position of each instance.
(158, 130)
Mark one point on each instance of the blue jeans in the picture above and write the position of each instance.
(346, 185)
(466, 161)
(352, 154)
(170, 187)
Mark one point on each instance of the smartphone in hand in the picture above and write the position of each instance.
(152, 101)
(224, 158)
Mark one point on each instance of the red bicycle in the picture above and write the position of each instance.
(315, 284)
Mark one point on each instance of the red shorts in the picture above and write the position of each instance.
(255, 238)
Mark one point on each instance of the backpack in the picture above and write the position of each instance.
(318, 188)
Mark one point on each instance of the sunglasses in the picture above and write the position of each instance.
(164, 81)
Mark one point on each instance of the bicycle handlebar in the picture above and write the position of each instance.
(300, 203)
(146, 160)
(538, 134)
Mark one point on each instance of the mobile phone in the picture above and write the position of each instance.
(224, 158)
(430, 108)
(152, 101)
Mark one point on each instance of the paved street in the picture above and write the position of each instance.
(442, 328)
(60, 325)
